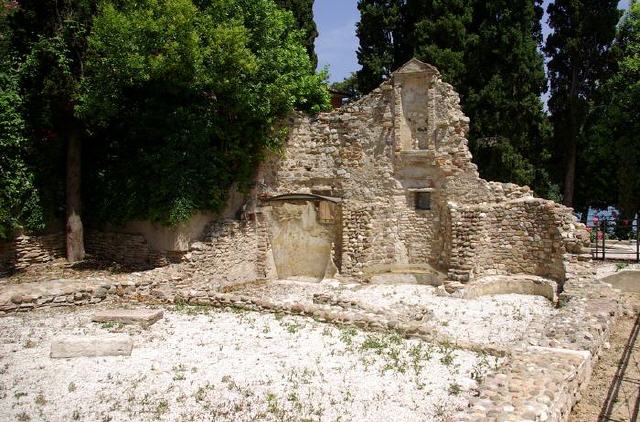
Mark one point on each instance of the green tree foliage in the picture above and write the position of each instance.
(579, 62)
(501, 92)
(182, 99)
(348, 86)
(438, 34)
(19, 200)
(380, 51)
(303, 12)
(489, 52)
(609, 164)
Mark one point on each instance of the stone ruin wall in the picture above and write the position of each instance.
(24, 251)
(405, 138)
(409, 135)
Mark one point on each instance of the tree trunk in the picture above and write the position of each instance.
(570, 173)
(75, 236)
(572, 147)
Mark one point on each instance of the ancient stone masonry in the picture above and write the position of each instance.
(128, 249)
(397, 167)
(28, 250)
(386, 181)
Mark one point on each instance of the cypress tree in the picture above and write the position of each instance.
(608, 170)
(501, 91)
(580, 60)
(440, 35)
(379, 31)
(303, 13)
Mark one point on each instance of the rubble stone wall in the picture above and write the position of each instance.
(397, 163)
(408, 138)
(231, 251)
(24, 250)
(125, 248)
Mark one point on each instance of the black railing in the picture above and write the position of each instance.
(615, 239)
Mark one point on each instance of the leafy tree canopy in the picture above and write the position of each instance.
(174, 101)
(303, 13)
(610, 161)
(185, 97)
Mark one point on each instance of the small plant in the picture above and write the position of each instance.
(201, 394)
(28, 344)
(418, 354)
(274, 407)
(375, 343)
(72, 387)
(447, 354)
(347, 335)
(179, 371)
(621, 266)
(292, 327)
(23, 417)
(162, 408)
(40, 400)
(19, 394)
(455, 389)
(76, 415)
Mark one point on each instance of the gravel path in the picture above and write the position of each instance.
(496, 319)
(222, 365)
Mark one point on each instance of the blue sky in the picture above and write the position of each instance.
(337, 44)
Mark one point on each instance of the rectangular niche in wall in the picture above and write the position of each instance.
(423, 201)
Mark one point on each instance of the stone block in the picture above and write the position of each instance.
(143, 317)
(91, 346)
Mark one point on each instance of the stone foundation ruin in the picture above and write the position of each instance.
(387, 183)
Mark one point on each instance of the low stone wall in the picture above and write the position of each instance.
(28, 250)
(523, 236)
(512, 284)
(231, 251)
(125, 248)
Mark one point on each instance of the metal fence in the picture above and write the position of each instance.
(615, 239)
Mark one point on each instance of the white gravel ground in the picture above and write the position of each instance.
(496, 319)
(223, 365)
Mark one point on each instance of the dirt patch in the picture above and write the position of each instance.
(61, 269)
(599, 403)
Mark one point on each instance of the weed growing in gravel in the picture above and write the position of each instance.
(201, 394)
(480, 368)
(455, 389)
(23, 417)
(347, 335)
(72, 387)
(19, 394)
(419, 355)
(40, 400)
(28, 344)
(327, 332)
(273, 407)
(292, 327)
(447, 354)
(161, 408)
(178, 372)
(621, 266)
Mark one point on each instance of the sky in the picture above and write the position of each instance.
(337, 43)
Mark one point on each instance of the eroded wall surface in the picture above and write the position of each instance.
(408, 138)
(301, 243)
